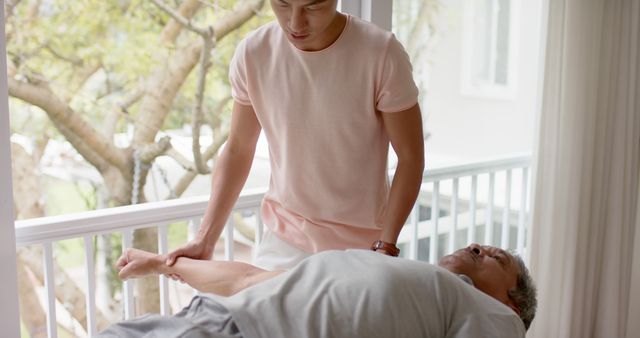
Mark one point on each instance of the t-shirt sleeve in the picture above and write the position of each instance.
(396, 89)
(238, 75)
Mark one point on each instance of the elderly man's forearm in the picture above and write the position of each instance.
(218, 277)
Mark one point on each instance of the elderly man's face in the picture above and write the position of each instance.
(309, 25)
(493, 270)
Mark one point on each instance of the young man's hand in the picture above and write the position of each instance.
(196, 249)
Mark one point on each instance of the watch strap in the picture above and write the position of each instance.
(390, 248)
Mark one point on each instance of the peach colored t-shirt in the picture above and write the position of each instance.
(321, 115)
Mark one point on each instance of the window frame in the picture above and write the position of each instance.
(379, 12)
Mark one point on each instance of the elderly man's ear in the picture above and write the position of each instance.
(513, 306)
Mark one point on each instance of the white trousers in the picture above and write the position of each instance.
(274, 253)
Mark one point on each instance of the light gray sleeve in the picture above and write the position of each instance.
(487, 325)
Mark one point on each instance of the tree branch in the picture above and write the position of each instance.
(186, 23)
(208, 154)
(205, 55)
(92, 145)
(182, 161)
(427, 15)
(83, 76)
(111, 120)
(213, 120)
(168, 77)
(196, 120)
(150, 151)
(187, 10)
(75, 61)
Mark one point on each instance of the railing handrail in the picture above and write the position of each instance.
(60, 227)
(475, 168)
(54, 228)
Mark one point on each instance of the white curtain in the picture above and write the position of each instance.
(584, 214)
(633, 325)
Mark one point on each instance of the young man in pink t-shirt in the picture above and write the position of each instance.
(330, 92)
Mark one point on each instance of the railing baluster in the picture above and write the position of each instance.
(49, 285)
(193, 227)
(523, 210)
(435, 213)
(504, 243)
(488, 228)
(163, 249)
(228, 239)
(259, 227)
(415, 219)
(91, 285)
(127, 286)
(471, 231)
(454, 215)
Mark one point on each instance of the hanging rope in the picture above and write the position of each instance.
(138, 166)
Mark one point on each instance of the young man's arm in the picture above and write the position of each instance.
(405, 134)
(218, 277)
(228, 178)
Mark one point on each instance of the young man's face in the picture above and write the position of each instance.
(493, 270)
(309, 25)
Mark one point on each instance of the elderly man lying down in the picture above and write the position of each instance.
(478, 291)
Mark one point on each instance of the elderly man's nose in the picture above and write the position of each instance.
(475, 248)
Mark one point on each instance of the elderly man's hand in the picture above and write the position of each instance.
(137, 263)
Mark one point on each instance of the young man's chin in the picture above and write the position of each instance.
(303, 44)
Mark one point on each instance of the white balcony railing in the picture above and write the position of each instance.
(457, 205)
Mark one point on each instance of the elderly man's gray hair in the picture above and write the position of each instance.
(524, 294)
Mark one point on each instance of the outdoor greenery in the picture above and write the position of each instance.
(83, 73)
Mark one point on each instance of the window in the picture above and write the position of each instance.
(489, 59)
(476, 64)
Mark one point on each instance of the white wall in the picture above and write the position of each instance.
(467, 127)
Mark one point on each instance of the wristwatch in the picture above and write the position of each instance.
(390, 248)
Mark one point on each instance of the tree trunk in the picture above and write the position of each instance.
(147, 290)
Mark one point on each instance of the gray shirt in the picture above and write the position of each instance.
(359, 293)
